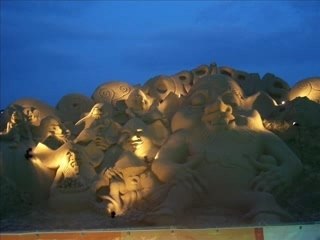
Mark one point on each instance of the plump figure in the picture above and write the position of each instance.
(216, 156)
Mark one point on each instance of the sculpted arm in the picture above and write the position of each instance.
(171, 156)
(286, 158)
(287, 168)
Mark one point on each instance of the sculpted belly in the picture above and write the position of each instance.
(227, 169)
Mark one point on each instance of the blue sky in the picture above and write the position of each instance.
(53, 48)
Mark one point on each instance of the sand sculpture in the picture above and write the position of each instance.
(209, 139)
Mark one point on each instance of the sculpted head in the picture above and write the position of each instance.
(137, 138)
(161, 86)
(96, 111)
(50, 126)
(16, 114)
(69, 165)
(138, 101)
(72, 162)
(111, 92)
(32, 115)
(15, 117)
(212, 101)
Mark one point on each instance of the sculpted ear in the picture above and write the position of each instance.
(262, 102)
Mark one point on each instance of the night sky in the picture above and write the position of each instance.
(53, 48)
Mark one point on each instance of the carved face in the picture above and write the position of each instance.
(52, 127)
(211, 101)
(138, 142)
(105, 135)
(55, 129)
(161, 86)
(132, 183)
(217, 112)
(138, 101)
(32, 114)
(96, 111)
(73, 162)
(69, 165)
(15, 117)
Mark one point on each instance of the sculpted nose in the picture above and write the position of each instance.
(218, 105)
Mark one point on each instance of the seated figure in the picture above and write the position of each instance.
(215, 156)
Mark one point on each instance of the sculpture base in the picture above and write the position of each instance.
(283, 232)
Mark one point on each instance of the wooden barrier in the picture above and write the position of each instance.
(288, 232)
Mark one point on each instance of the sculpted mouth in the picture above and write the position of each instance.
(136, 143)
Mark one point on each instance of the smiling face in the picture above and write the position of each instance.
(138, 142)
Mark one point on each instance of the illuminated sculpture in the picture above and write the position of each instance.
(165, 91)
(112, 92)
(131, 180)
(16, 126)
(309, 88)
(154, 153)
(70, 109)
(251, 83)
(144, 107)
(69, 191)
(195, 159)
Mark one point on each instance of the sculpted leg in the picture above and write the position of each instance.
(179, 198)
(257, 207)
